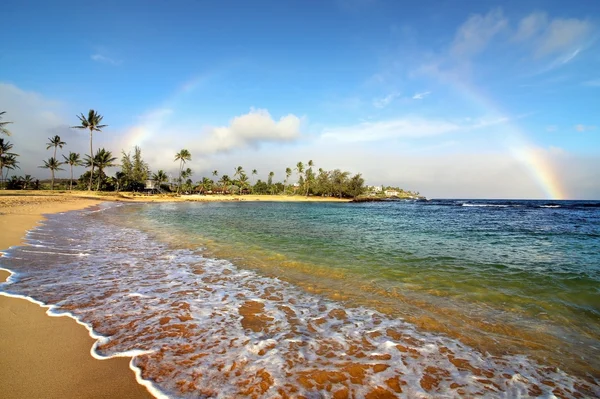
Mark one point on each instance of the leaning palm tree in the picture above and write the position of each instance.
(103, 159)
(3, 129)
(54, 142)
(92, 123)
(182, 156)
(52, 164)
(73, 159)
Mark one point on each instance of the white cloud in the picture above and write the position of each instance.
(584, 128)
(530, 26)
(397, 128)
(554, 36)
(473, 36)
(420, 96)
(385, 101)
(35, 118)
(104, 59)
(563, 35)
(251, 129)
(407, 128)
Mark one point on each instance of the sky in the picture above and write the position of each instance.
(454, 99)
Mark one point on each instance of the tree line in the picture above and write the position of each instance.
(135, 172)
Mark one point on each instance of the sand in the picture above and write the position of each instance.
(49, 357)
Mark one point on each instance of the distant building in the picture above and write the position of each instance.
(150, 184)
(391, 193)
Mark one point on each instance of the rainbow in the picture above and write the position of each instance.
(155, 121)
(532, 159)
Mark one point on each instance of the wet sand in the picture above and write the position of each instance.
(49, 357)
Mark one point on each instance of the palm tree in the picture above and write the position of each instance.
(224, 182)
(207, 184)
(160, 177)
(73, 159)
(238, 171)
(52, 164)
(4, 130)
(27, 180)
(7, 158)
(185, 175)
(54, 142)
(103, 159)
(92, 122)
(300, 169)
(9, 161)
(243, 181)
(182, 156)
(270, 181)
(309, 176)
(254, 173)
(288, 173)
(215, 173)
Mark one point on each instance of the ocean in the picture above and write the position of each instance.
(417, 299)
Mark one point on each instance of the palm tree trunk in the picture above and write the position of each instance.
(92, 163)
(52, 184)
(71, 187)
(180, 172)
(99, 179)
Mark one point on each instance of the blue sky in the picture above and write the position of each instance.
(453, 99)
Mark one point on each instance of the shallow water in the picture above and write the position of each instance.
(319, 300)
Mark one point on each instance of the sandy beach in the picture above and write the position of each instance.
(49, 357)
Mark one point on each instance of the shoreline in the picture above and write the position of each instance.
(48, 355)
(138, 197)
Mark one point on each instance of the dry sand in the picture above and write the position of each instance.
(49, 357)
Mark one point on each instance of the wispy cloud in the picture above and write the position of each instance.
(385, 101)
(104, 59)
(565, 36)
(530, 26)
(473, 36)
(584, 128)
(412, 127)
(420, 96)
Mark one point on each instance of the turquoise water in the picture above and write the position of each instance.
(455, 298)
(531, 265)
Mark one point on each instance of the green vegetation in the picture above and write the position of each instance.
(92, 123)
(135, 175)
